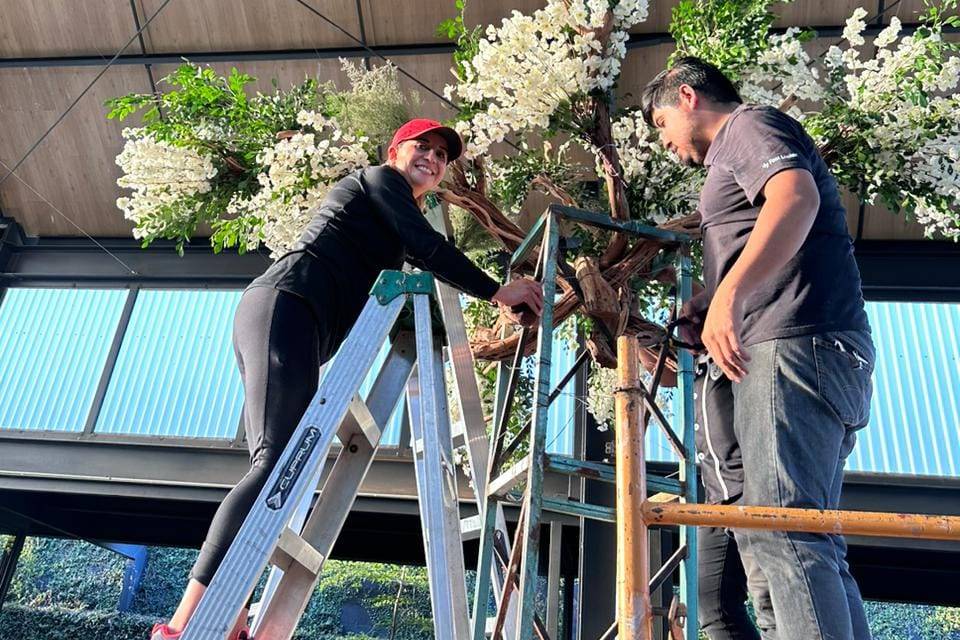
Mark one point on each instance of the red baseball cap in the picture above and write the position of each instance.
(419, 126)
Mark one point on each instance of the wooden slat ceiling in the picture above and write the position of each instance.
(74, 168)
(248, 25)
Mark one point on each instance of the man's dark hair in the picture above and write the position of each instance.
(706, 79)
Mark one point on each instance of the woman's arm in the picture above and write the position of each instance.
(392, 196)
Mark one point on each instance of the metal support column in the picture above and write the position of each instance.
(688, 466)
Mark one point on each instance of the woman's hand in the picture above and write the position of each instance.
(521, 300)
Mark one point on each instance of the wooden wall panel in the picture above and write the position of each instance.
(417, 23)
(492, 11)
(287, 72)
(658, 18)
(908, 11)
(434, 72)
(880, 224)
(65, 27)
(639, 67)
(820, 12)
(247, 25)
(74, 168)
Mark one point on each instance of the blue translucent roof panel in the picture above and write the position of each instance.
(915, 413)
(53, 346)
(560, 418)
(176, 374)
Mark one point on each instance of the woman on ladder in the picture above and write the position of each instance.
(293, 318)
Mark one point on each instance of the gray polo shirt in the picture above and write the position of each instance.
(819, 288)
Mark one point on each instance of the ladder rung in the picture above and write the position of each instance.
(458, 433)
(606, 473)
(293, 549)
(573, 467)
(502, 484)
(580, 509)
(663, 498)
(365, 419)
(659, 484)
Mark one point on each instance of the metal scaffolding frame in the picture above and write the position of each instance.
(521, 559)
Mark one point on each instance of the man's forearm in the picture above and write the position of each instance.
(782, 226)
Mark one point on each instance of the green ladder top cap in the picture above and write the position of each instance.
(391, 284)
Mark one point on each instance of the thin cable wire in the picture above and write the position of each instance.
(67, 218)
(444, 100)
(336, 26)
(82, 93)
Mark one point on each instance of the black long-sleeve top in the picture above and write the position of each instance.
(367, 223)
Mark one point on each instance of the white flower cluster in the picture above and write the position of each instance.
(299, 172)
(600, 400)
(528, 68)
(877, 83)
(665, 187)
(160, 174)
(896, 101)
(783, 70)
(937, 164)
(906, 92)
(853, 31)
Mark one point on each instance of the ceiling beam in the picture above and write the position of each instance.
(637, 40)
(909, 270)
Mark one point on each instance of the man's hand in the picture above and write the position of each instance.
(521, 300)
(721, 333)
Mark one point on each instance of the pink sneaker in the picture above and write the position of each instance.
(163, 632)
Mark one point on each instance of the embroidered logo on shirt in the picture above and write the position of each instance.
(779, 158)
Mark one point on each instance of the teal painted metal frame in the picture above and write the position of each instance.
(546, 234)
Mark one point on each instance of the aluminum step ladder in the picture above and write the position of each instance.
(414, 364)
(470, 432)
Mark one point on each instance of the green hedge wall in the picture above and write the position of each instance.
(67, 589)
(76, 584)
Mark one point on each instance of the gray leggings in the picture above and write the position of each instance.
(277, 341)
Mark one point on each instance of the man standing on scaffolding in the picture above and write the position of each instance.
(786, 324)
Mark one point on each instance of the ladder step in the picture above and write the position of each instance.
(573, 467)
(369, 426)
(458, 433)
(292, 549)
(470, 527)
(580, 509)
(606, 473)
(502, 484)
(659, 484)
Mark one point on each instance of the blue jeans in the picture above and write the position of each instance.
(723, 587)
(722, 598)
(795, 417)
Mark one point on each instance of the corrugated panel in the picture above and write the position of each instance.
(53, 346)
(560, 417)
(176, 375)
(656, 445)
(915, 415)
